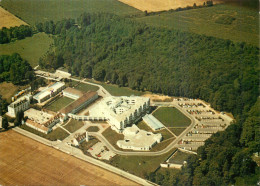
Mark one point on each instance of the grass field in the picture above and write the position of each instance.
(115, 90)
(30, 48)
(179, 157)
(177, 131)
(171, 117)
(139, 165)
(92, 129)
(9, 20)
(59, 103)
(86, 87)
(41, 10)
(7, 90)
(57, 134)
(203, 21)
(112, 137)
(74, 125)
(24, 161)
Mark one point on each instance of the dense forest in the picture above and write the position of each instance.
(15, 33)
(15, 69)
(109, 48)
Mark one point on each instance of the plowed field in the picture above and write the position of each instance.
(24, 161)
(9, 20)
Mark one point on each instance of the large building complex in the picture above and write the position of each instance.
(20, 104)
(49, 92)
(121, 111)
(40, 120)
(137, 139)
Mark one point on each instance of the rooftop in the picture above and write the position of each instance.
(78, 102)
(73, 91)
(154, 123)
(46, 91)
(37, 116)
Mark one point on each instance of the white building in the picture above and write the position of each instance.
(121, 111)
(80, 138)
(72, 93)
(40, 120)
(20, 104)
(49, 92)
(137, 139)
(62, 72)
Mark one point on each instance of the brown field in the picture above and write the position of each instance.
(159, 5)
(7, 90)
(9, 20)
(24, 161)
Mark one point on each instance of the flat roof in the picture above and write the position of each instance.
(38, 116)
(70, 90)
(85, 97)
(48, 90)
(154, 123)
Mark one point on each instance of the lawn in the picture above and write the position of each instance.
(33, 11)
(57, 134)
(179, 157)
(115, 90)
(30, 48)
(86, 87)
(171, 117)
(112, 137)
(242, 28)
(139, 165)
(177, 131)
(93, 129)
(74, 125)
(59, 103)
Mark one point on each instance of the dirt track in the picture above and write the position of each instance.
(24, 161)
(9, 20)
(159, 5)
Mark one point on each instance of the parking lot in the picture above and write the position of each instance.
(100, 151)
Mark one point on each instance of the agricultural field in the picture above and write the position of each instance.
(9, 20)
(235, 23)
(30, 48)
(159, 5)
(171, 117)
(42, 10)
(139, 165)
(29, 162)
(59, 103)
(74, 125)
(7, 90)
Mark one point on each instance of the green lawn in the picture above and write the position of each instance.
(179, 157)
(30, 48)
(206, 21)
(59, 104)
(177, 131)
(93, 129)
(115, 90)
(57, 134)
(112, 137)
(139, 165)
(32, 11)
(86, 87)
(74, 125)
(171, 117)
(142, 125)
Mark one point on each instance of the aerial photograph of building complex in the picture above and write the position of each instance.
(129, 92)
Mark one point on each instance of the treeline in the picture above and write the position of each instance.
(109, 48)
(3, 106)
(15, 33)
(195, 6)
(15, 69)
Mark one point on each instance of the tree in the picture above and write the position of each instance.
(5, 123)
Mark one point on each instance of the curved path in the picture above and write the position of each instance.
(145, 153)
